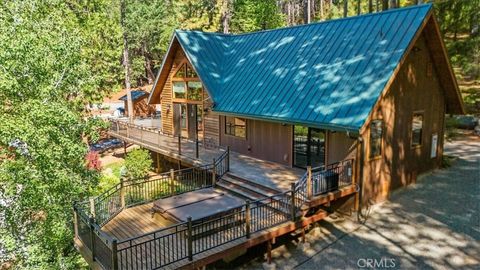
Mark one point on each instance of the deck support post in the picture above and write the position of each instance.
(92, 206)
(158, 163)
(172, 182)
(179, 144)
(92, 236)
(309, 183)
(124, 149)
(114, 254)
(190, 239)
(228, 158)
(196, 148)
(292, 203)
(247, 219)
(214, 171)
(122, 191)
(303, 235)
(269, 252)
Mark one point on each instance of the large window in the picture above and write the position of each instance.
(376, 134)
(194, 91)
(236, 126)
(417, 126)
(186, 85)
(179, 90)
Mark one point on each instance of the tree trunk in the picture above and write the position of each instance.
(307, 11)
(393, 3)
(321, 10)
(358, 8)
(370, 6)
(345, 8)
(126, 62)
(384, 4)
(148, 64)
(226, 15)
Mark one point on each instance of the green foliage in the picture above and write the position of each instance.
(252, 15)
(138, 163)
(47, 76)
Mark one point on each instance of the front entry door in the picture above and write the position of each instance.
(192, 121)
(308, 147)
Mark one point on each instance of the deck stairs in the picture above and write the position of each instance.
(245, 189)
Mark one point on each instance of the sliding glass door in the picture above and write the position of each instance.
(308, 147)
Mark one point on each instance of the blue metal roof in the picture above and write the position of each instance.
(136, 94)
(328, 74)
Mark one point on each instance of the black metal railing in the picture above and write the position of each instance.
(324, 179)
(187, 239)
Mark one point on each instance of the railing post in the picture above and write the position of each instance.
(214, 172)
(114, 254)
(292, 209)
(247, 219)
(141, 134)
(91, 221)
(196, 148)
(75, 220)
(228, 158)
(122, 192)
(190, 239)
(309, 182)
(172, 182)
(128, 131)
(92, 206)
(179, 144)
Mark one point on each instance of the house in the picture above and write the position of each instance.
(315, 94)
(269, 129)
(140, 106)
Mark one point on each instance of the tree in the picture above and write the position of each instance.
(138, 163)
(46, 79)
(252, 15)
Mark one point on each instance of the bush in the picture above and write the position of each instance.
(138, 163)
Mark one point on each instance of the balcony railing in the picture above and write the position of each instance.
(182, 242)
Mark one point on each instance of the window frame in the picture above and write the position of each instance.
(234, 127)
(415, 113)
(379, 155)
(184, 64)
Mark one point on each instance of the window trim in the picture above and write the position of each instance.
(186, 80)
(422, 113)
(379, 156)
(234, 136)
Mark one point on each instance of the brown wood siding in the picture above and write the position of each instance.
(166, 96)
(411, 91)
(339, 147)
(265, 140)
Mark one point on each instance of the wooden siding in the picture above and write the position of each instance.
(411, 91)
(265, 140)
(166, 96)
(339, 147)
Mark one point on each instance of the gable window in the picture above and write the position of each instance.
(376, 133)
(179, 90)
(236, 126)
(417, 127)
(194, 91)
(191, 73)
(181, 72)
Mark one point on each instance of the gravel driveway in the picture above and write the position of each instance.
(434, 224)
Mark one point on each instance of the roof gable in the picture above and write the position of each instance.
(327, 74)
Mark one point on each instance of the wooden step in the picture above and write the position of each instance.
(238, 191)
(251, 184)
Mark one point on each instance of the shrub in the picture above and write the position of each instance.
(138, 163)
(93, 161)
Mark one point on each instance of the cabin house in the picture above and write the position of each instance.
(140, 106)
(289, 121)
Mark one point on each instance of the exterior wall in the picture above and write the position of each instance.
(265, 140)
(414, 89)
(140, 108)
(339, 147)
(166, 96)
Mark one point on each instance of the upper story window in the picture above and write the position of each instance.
(236, 126)
(376, 134)
(417, 127)
(186, 85)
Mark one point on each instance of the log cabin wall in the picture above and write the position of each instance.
(264, 140)
(416, 88)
